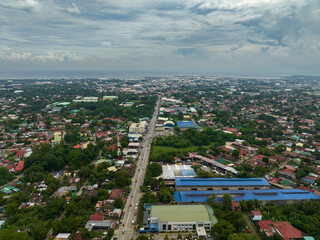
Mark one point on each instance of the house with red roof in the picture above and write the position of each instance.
(115, 193)
(96, 217)
(77, 146)
(283, 228)
(20, 166)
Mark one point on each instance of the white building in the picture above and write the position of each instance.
(138, 127)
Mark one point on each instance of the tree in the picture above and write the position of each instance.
(236, 154)
(239, 236)
(154, 169)
(103, 194)
(118, 203)
(5, 176)
(223, 229)
(8, 234)
(165, 195)
(142, 237)
(122, 179)
(211, 199)
(227, 201)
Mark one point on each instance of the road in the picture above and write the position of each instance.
(135, 193)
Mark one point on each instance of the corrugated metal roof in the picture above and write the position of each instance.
(222, 182)
(238, 195)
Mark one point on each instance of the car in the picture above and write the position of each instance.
(130, 204)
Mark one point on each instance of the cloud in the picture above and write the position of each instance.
(265, 35)
(74, 9)
(30, 5)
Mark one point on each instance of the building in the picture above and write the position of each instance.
(170, 172)
(185, 125)
(109, 98)
(138, 127)
(182, 217)
(256, 216)
(277, 196)
(57, 138)
(105, 224)
(62, 236)
(283, 228)
(210, 184)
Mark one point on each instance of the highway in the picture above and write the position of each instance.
(137, 181)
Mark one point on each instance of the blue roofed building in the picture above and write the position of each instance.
(210, 184)
(277, 196)
(185, 125)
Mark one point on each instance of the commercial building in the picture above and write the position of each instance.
(276, 196)
(182, 217)
(209, 184)
(185, 125)
(170, 172)
(138, 127)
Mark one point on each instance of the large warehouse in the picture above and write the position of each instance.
(277, 196)
(170, 172)
(182, 217)
(210, 184)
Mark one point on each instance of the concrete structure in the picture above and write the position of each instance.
(138, 127)
(57, 138)
(109, 98)
(170, 172)
(87, 99)
(106, 224)
(209, 184)
(256, 216)
(61, 236)
(277, 196)
(182, 217)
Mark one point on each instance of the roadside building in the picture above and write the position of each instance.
(182, 217)
(138, 127)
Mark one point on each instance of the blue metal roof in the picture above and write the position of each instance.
(221, 182)
(186, 124)
(238, 195)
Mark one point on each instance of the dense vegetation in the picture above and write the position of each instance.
(46, 158)
(5, 176)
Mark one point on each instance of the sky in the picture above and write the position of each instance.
(254, 37)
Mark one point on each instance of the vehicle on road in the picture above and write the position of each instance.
(123, 231)
(132, 222)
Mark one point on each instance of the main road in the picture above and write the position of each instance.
(126, 230)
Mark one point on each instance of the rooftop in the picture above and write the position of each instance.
(222, 182)
(182, 213)
(238, 195)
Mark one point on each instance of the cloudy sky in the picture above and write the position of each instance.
(219, 36)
